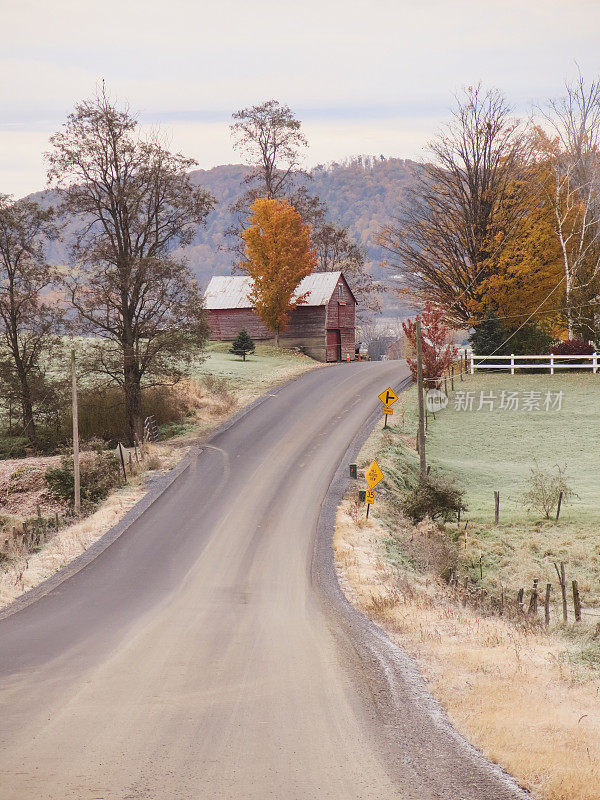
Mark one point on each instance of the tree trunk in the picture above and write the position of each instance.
(276, 337)
(27, 411)
(26, 403)
(133, 398)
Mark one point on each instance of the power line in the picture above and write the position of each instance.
(514, 333)
(548, 313)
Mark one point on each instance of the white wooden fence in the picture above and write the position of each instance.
(551, 362)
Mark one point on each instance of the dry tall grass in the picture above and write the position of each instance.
(28, 571)
(505, 688)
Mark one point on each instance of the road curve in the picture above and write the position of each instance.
(208, 653)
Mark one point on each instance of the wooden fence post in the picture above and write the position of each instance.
(533, 601)
(560, 497)
(520, 596)
(576, 602)
(122, 461)
(563, 587)
(496, 507)
(547, 604)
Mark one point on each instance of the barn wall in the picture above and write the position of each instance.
(306, 329)
(225, 324)
(341, 315)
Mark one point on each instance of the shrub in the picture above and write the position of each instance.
(573, 347)
(102, 413)
(530, 340)
(429, 550)
(544, 489)
(13, 446)
(99, 473)
(435, 498)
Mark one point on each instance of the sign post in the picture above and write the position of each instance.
(373, 476)
(76, 473)
(422, 458)
(388, 398)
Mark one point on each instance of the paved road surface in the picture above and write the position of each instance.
(207, 653)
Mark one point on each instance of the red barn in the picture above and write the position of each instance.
(322, 327)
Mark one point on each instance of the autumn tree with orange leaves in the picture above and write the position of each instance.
(528, 268)
(278, 256)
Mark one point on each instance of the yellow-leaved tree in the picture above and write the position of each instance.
(278, 256)
(525, 283)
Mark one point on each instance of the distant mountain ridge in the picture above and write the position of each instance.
(362, 193)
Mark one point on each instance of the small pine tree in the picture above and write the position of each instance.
(489, 336)
(242, 345)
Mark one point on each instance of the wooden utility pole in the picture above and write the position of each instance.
(77, 499)
(422, 458)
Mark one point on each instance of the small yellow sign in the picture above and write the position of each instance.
(373, 475)
(388, 397)
(387, 410)
(370, 496)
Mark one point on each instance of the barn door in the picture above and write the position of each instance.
(334, 346)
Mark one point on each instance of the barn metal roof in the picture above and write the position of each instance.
(233, 291)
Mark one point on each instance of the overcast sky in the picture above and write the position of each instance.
(364, 77)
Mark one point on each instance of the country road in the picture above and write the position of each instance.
(208, 652)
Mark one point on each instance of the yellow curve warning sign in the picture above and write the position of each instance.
(373, 475)
(388, 397)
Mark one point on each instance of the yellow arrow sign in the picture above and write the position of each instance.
(373, 475)
(388, 397)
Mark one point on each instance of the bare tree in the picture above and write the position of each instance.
(457, 218)
(336, 250)
(135, 203)
(29, 316)
(269, 138)
(574, 191)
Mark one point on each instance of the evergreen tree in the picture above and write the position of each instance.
(488, 336)
(242, 344)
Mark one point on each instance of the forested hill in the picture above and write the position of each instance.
(363, 194)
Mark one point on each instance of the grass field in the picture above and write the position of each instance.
(265, 367)
(488, 450)
(495, 450)
(525, 694)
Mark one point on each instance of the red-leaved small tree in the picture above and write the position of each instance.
(438, 349)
